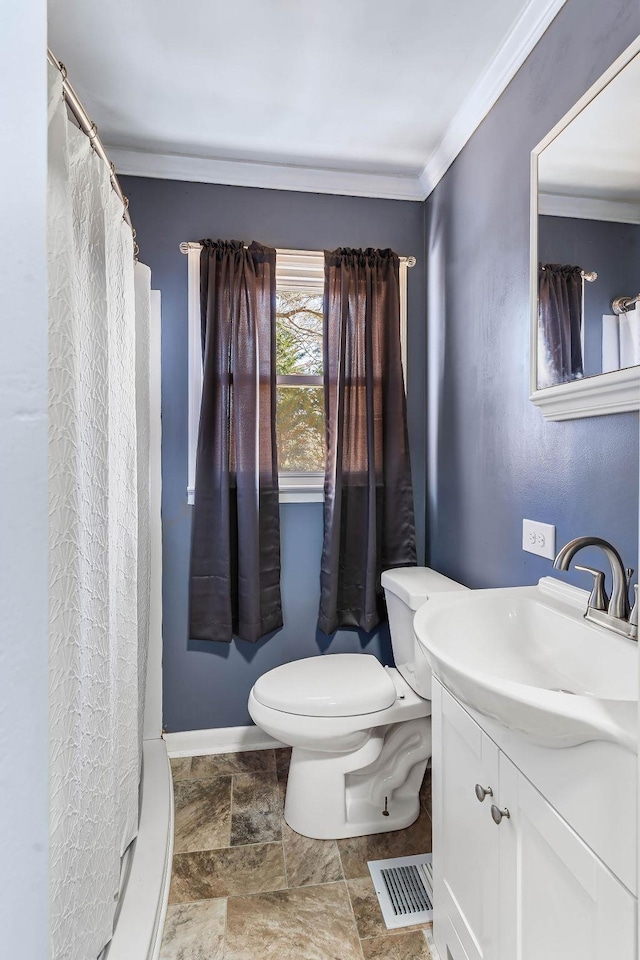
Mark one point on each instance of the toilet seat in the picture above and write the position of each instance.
(337, 734)
(335, 685)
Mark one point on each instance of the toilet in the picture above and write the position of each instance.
(360, 732)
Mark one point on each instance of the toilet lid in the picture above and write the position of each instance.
(337, 685)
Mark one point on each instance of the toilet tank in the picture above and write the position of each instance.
(406, 589)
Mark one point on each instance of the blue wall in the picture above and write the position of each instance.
(492, 457)
(207, 684)
(612, 250)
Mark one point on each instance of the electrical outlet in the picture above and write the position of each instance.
(539, 538)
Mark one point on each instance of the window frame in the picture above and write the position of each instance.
(300, 270)
(295, 270)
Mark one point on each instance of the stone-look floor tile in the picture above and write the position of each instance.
(425, 791)
(397, 946)
(356, 851)
(203, 814)
(194, 931)
(283, 759)
(180, 768)
(310, 861)
(256, 812)
(366, 910)
(309, 923)
(222, 873)
(227, 764)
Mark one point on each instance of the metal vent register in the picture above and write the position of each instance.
(404, 887)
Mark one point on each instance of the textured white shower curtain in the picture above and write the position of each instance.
(143, 429)
(97, 617)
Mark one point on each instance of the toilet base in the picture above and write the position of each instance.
(369, 822)
(374, 789)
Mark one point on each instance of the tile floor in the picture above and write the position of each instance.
(244, 886)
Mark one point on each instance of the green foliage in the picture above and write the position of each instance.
(300, 419)
(300, 409)
(287, 353)
(298, 333)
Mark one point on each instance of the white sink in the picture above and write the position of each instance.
(526, 657)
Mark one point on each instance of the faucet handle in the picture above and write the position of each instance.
(598, 599)
(633, 616)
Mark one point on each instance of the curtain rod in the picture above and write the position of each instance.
(588, 275)
(185, 246)
(87, 126)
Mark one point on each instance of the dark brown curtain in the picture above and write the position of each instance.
(368, 510)
(559, 324)
(235, 540)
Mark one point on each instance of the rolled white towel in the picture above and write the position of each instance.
(610, 343)
(630, 338)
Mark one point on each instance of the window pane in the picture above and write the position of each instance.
(300, 425)
(298, 332)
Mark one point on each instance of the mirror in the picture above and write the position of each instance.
(585, 252)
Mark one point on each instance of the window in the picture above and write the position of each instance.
(300, 392)
(300, 399)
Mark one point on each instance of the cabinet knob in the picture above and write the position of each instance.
(482, 792)
(498, 814)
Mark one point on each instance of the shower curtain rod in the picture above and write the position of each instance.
(87, 126)
(194, 245)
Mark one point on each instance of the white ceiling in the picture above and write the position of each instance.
(368, 88)
(598, 154)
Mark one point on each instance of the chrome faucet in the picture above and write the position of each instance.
(611, 613)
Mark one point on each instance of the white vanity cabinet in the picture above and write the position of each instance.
(527, 888)
(464, 835)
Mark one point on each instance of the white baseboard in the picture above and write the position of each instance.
(428, 935)
(199, 743)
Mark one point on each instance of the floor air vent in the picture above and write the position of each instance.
(404, 887)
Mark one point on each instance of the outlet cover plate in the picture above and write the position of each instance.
(539, 538)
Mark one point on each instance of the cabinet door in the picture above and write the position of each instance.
(465, 847)
(558, 900)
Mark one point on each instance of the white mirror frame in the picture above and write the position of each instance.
(615, 392)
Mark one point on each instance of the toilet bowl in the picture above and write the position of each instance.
(360, 732)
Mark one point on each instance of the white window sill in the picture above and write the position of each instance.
(301, 487)
(302, 496)
(294, 488)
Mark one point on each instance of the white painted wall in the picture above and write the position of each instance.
(23, 482)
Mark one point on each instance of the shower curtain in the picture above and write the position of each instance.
(98, 541)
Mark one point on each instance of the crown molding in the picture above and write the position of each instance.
(516, 47)
(273, 176)
(588, 208)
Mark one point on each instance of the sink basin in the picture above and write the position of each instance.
(525, 656)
